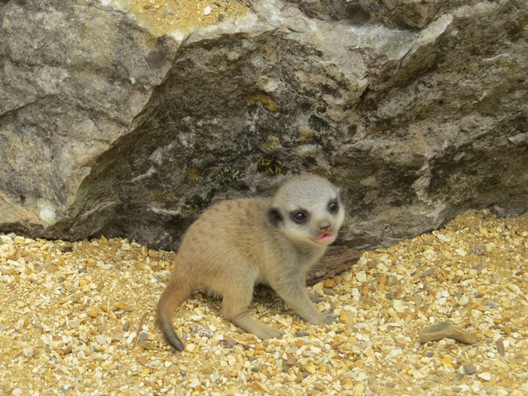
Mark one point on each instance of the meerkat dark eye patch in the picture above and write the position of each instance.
(333, 206)
(275, 217)
(299, 216)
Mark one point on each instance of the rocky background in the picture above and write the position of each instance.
(127, 118)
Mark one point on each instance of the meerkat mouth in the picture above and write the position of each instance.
(325, 238)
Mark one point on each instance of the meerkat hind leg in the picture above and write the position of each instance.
(235, 308)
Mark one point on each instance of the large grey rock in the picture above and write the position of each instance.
(107, 129)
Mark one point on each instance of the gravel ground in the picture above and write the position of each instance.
(162, 16)
(78, 318)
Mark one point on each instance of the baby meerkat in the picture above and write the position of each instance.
(237, 244)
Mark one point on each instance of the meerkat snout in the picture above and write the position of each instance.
(236, 244)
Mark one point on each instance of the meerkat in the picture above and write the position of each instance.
(239, 243)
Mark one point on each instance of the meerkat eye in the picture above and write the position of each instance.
(333, 206)
(299, 217)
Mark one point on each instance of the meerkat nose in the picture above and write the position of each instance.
(324, 225)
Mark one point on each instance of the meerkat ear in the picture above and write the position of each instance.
(275, 217)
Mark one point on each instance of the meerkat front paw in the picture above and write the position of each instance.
(315, 298)
(270, 332)
(325, 317)
(329, 317)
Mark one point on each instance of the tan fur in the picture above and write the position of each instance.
(236, 244)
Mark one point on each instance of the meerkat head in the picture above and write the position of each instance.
(308, 209)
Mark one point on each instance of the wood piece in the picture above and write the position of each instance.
(446, 330)
(336, 260)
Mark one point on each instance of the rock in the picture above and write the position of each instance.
(329, 283)
(148, 345)
(469, 369)
(446, 330)
(110, 128)
(486, 376)
(500, 347)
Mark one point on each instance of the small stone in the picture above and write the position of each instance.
(65, 388)
(392, 280)
(66, 249)
(469, 369)
(91, 262)
(478, 250)
(446, 361)
(446, 330)
(66, 350)
(261, 387)
(500, 347)
(348, 385)
(400, 342)
(51, 269)
(291, 359)
(28, 352)
(486, 376)
(359, 389)
(142, 359)
(429, 254)
(443, 238)
(361, 276)
(122, 306)
(347, 318)
(301, 334)
(75, 324)
(329, 283)
(92, 313)
(207, 368)
(310, 368)
(229, 342)
(148, 345)
(398, 306)
(462, 300)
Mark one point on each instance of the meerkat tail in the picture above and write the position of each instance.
(173, 296)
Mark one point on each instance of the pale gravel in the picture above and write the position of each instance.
(78, 319)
